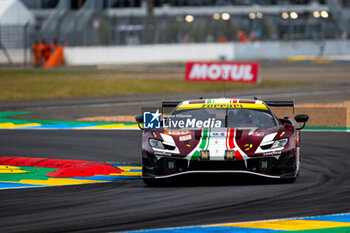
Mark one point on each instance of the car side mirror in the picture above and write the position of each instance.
(301, 118)
(139, 120)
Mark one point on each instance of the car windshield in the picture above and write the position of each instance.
(226, 117)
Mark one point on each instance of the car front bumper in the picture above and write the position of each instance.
(269, 167)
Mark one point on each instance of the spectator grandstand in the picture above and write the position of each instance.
(124, 22)
(88, 23)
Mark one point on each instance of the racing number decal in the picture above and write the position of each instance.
(230, 143)
(203, 144)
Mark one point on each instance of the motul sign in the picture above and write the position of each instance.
(222, 71)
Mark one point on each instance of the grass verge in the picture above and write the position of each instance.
(45, 84)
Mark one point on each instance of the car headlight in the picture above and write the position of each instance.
(280, 143)
(156, 144)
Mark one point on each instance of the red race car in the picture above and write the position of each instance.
(220, 136)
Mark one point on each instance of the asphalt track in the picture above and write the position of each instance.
(322, 188)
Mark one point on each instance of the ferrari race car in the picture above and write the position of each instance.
(221, 136)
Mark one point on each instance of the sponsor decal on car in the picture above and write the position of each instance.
(218, 134)
(176, 132)
(248, 146)
(228, 105)
(222, 71)
(162, 153)
(222, 106)
(185, 138)
(258, 134)
(273, 153)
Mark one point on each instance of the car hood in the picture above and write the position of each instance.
(246, 141)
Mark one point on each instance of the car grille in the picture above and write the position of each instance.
(217, 165)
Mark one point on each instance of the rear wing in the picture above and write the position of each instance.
(288, 103)
(272, 103)
(170, 104)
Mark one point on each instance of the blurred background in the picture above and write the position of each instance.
(264, 25)
(96, 59)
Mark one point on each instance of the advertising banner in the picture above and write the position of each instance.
(222, 71)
